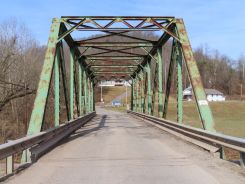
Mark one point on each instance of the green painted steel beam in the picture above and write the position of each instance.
(142, 92)
(80, 87)
(57, 87)
(72, 62)
(160, 81)
(113, 72)
(70, 42)
(149, 91)
(137, 95)
(64, 81)
(94, 96)
(38, 111)
(114, 66)
(76, 104)
(115, 44)
(114, 57)
(161, 41)
(85, 92)
(195, 78)
(179, 84)
(169, 79)
(113, 69)
(89, 95)
(132, 96)
(70, 30)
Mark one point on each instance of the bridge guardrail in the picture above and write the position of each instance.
(212, 138)
(39, 143)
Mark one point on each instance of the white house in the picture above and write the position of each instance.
(212, 94)
(115, 83)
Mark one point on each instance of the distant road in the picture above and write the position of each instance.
(116, 148)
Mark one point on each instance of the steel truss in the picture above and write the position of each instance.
(95, 58)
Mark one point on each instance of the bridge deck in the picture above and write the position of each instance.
(116, 148)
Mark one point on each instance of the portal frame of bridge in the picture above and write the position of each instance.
(110, 59)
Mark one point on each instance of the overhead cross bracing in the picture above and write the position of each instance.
(127, 50)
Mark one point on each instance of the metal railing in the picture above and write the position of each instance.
(40, 143)
(203, 138)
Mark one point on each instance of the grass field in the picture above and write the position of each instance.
(229, 116)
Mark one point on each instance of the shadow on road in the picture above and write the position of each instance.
(80, 132)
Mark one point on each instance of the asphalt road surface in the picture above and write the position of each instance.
(117, 148)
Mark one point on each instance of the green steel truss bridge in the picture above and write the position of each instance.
(83, 50)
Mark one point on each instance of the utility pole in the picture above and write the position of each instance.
(241, 85)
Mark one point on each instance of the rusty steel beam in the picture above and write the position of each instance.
(114, 44)
(115, 17)
(161, 41)
(195, 78)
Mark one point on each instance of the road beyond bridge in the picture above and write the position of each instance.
(116, 148)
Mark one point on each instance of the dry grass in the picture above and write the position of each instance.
(229, 116)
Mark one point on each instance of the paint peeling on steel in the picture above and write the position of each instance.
(37, 115)
(204, 110)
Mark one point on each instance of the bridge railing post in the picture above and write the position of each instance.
(242, 159)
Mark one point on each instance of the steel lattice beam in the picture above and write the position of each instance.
(103, 57)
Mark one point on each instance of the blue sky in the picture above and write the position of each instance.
(220, 24)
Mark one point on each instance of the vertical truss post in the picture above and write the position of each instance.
(149, 91)
(57, 87)
(89, 94)
(85, 92)
(72, 61)
(93, 97)
(199, 93)
(145, 92)
(76, 90)
(132, 96)
(179, 84)
(80, 87)
(137, 94)
(154, 91)
(37, 115)
(141, 91)
(160, 81)
(169, 79)
(64, 81)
